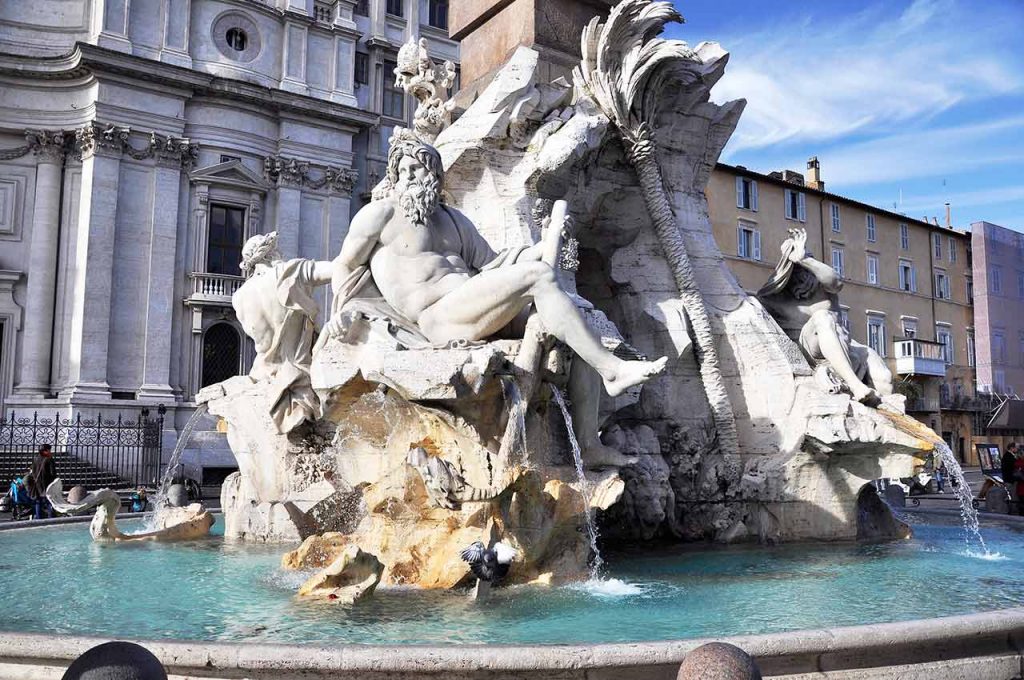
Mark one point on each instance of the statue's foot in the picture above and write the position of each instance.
(598, 455)
(867, 396)
(631, 373)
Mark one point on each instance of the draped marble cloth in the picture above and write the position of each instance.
(276, 309)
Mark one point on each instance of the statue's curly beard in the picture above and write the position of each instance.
(419, 200)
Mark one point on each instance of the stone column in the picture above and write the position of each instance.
(156, 369)
(289, 175)
(94, 259)
(42, 265)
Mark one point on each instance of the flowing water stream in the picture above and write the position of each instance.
(595, 565)
(972, 534)
(160, 501)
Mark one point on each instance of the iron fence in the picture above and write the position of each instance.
(93, 452)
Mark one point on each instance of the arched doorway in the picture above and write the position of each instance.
(222, 353)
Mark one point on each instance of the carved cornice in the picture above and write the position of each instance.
(114, 141)
(290, 172)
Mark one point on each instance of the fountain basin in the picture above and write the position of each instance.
(217, 598)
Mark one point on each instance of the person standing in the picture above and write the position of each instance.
(44, 471)
(1008, 465)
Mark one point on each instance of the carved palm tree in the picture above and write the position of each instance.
(625, 70)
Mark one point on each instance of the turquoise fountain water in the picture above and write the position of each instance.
(217, 590)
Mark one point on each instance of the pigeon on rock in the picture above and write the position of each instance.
(489, 564)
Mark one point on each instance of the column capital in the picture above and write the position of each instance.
(97, 139)
(172, 152)
(285, 172)
(49, 146)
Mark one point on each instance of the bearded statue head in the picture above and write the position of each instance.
(260, 249)
(415, 174)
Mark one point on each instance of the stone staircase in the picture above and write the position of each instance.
(71, 470)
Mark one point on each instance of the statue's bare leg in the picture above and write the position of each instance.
(832, 347)
(878, 374)
(486, 302)
(585, 397)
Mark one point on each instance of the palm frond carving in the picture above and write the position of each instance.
(625, 69)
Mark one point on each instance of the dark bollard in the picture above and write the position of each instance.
(718, 661)
(116, 661)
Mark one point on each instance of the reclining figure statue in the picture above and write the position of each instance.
(803, 297)
(439, 275)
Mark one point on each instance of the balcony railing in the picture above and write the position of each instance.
(919, 357)
(922, 405)
(216, 288)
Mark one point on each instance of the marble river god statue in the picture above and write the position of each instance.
(432, 399)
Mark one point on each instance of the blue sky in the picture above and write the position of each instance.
(907, 103)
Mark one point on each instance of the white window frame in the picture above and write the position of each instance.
(905, 285)
(997, 279)
(944, 336)
(837, 223)
(970, 289)
(800, 201)
(755, 242)
(904, 236)
(951, 248)
(869, 226)
(839, 258)
(1020, 285)
(872, 269)
(751, 196)
(972, 349)
(877, 322)
(937, 245)
(998, 347)
(909, 326)
(942, 284)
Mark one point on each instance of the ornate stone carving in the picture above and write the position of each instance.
(429, 83)
(170, 151)
(97, 138)
(48, 145)
(114, 140)
(291, 172)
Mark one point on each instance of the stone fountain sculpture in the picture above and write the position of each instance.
(434, 426)
(172, 524)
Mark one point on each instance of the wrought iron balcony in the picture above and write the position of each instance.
(919, 357)
(214, 289)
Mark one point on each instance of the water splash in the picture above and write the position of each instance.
(595, 565)
(609, 588)
(968, 514)
(160, 500)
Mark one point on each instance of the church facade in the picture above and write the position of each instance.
(141, 144)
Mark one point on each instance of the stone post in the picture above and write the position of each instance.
(289, 175)
(94, 259)
(160, 296)
(42, 264)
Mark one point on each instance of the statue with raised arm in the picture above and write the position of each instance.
(275, 307)
(803, 297)
(433, 267)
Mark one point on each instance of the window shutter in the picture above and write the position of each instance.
(802, 207)
(757, 244)
(753, 195)
(913, 279)
(739, 192)
(739, 242)
(789, 203)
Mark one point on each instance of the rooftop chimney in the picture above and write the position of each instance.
(814, 180)
(949, 217)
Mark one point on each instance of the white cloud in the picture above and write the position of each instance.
(863, 73)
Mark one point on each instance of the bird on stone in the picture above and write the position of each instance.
(489, 564)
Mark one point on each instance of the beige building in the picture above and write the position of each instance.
(907, 292)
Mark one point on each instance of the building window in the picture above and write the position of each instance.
(872, 233)
(937, 244)
(224, 244)
(839, 261)
(796, 205)
(395, 7)
(908, 277)
(844, 318)
(997, 279)
(998, 347)
(363, 8)
(876, 334)
(393, 104)
(438, 14)
(904, 237)
(362, 68)
(748, 243)
(970, 290)
(836, 223)
(941, 285)
(999, 376)
(952, 249)
(746, 193)
(222, 353)
(873, 269)
(1020, 285)
(944, 337)
(971, 358)
(227, 158)
(909, 328)
(236, 39)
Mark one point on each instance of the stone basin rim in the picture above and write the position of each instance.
(998, 632)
